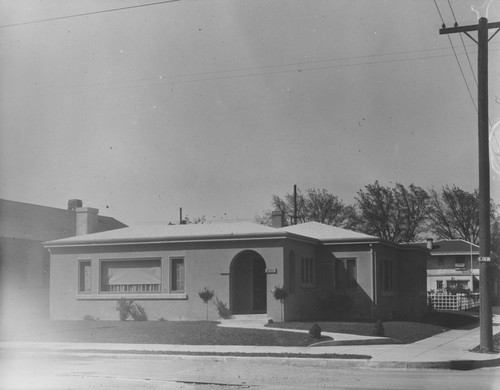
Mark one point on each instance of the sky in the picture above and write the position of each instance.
(216, 105)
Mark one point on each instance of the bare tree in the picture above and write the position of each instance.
(316, 205)
(454, 213)
(396, 214)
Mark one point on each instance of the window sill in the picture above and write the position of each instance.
(144, 296)
(387, 293)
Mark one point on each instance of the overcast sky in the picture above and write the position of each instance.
(216, 105)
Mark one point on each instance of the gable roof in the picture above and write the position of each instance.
(41, 223)
(311, 231)
(171, 233)
(451, 247)
(325, 233)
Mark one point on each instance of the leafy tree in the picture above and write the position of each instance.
(396, 214)
(315, 205)
(454, 213)
(206, 295)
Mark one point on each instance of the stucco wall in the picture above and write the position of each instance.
(206, 265)
(405, 301)
(24, 279)
(302, 303)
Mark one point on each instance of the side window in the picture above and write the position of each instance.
(177, 275)
(387, 276)
(307, 271)
(85, 276)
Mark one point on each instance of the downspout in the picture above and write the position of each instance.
(374, 281)
(471, 269)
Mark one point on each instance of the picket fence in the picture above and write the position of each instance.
(453, 301)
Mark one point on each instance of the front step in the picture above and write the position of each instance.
(250, 317)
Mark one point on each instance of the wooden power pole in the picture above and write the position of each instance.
(485, 312)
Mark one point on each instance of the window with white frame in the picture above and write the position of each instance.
(177, 275)
(307, 271)
(131, 276)
(346, 275)
(84, 276)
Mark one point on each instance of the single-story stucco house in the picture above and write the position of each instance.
(327, 271)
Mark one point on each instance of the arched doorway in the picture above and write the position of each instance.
(248, 283)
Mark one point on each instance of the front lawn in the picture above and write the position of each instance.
(402, 331)
(152, 332)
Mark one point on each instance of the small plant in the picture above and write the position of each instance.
(88, 317)
(378, 329)
(315, 331)
(280, 294)
(222, 309)
(138, 313)
(206, 296)
(123, 308)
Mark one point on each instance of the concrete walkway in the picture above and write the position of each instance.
(448, 350)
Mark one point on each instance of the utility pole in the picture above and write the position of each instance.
(485, 313)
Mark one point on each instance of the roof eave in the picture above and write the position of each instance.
(167, 240)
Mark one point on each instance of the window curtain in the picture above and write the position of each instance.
(131, 272)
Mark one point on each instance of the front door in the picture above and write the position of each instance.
(248, 284)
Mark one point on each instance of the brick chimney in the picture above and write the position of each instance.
(86, 220)
(73, 204)
(430, 242)
(278, 219)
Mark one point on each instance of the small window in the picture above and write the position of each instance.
(307, 271)
(291, 272)
(84, 277)
(346, 275)
(177, 275)
(387, 276)
(439, 284)
(131, 276)
(460, 262)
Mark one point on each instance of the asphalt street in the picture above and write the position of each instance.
(54, 370)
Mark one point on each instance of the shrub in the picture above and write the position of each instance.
(88, 317)
(279, 293)
(378, 329)
(123, 308)
(315, 331)
(138, 313)
(222, 309)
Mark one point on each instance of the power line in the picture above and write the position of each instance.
(439, 12)
(455, 53)
(463, 43)
(87, 14)
(226, 74)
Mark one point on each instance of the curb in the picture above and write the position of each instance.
(306, 360)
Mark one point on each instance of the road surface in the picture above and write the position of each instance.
(50, 370)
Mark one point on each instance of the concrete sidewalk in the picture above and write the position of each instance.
(448, 350)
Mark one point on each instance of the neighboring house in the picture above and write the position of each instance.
(24, 262)
(326, 271)
(452, 264)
